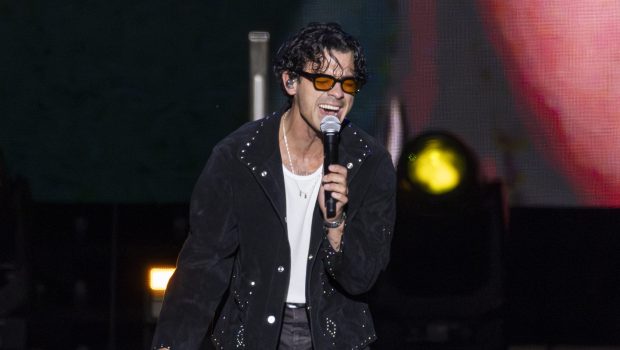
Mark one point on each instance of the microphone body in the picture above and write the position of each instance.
(330, 127)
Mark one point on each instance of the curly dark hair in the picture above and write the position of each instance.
(309, 44)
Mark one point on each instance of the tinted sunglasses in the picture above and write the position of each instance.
(324, 82)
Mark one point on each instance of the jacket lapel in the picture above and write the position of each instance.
(261, 155)
(352, 150)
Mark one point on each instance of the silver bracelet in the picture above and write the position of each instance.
(336, 223)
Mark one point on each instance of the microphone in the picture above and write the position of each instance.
(330, 127)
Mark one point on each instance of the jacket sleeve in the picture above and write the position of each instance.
(367, 235)
(204, 264)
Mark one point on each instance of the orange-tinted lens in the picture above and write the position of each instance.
(349, 86)
(323, 83)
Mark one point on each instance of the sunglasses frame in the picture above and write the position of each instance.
(313, 76)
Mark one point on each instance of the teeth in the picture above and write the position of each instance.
(330, 107)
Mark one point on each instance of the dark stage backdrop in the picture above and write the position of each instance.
(123, 101)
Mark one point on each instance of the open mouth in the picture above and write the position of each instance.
(329, 109)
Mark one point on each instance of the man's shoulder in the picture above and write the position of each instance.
(363, 139)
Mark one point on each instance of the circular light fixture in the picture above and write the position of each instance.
(437, 164)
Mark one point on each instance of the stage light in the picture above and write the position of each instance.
(158, 278)
(441, 217)
(445, 273)
(437, 167)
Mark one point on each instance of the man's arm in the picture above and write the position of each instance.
(204, 265)
(366, 235)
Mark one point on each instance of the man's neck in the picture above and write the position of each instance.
(305, 145)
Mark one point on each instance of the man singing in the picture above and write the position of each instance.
(264, 266)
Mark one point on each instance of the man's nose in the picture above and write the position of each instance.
(337, 91)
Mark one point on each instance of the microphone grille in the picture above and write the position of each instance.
(330, 123)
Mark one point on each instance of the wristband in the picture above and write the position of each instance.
(336, 223)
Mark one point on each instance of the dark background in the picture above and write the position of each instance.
(122, 102)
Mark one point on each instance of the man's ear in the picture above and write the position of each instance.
(289, 82)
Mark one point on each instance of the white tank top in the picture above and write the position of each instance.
(301, 196)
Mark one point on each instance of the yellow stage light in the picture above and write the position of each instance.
(158, 278)
(437, 168)
(437, 171)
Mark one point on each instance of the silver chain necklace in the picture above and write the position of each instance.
(302, 194)
(288, 153)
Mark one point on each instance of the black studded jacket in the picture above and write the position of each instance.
(234, 265)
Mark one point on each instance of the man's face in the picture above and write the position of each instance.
(314, 105)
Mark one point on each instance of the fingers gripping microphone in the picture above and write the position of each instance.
(330, 127)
